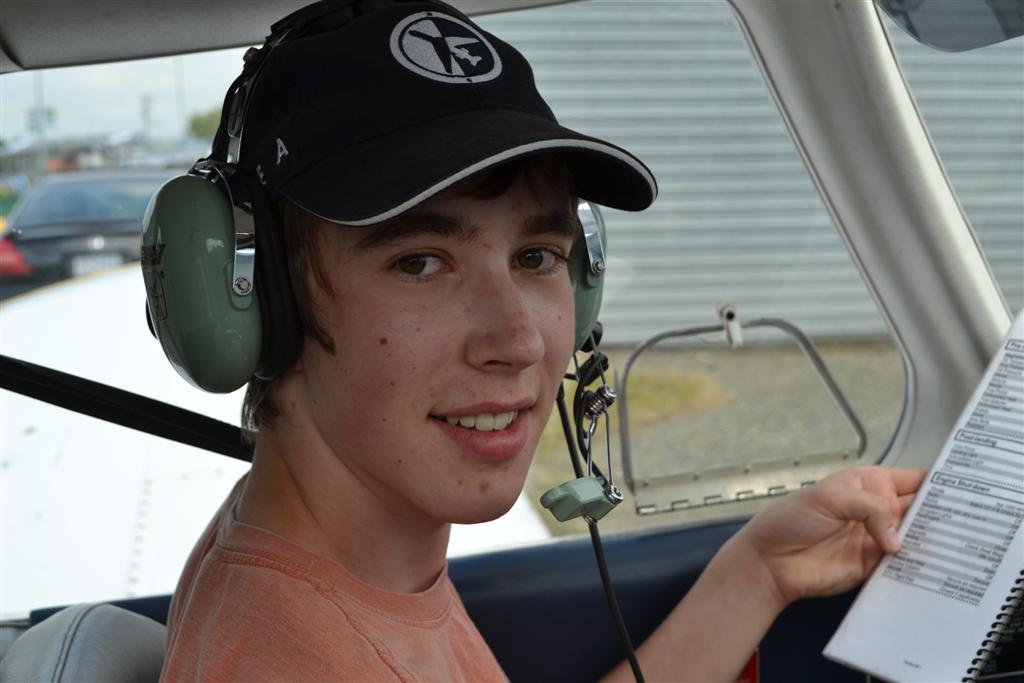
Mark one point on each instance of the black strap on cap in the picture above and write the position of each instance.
(282, 330)
(325, 15)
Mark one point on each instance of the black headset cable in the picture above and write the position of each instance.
(595, 539)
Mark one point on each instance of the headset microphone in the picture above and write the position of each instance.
(592, 494)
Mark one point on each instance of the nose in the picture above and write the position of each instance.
(504, 326)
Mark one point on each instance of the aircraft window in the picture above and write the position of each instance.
(90, 510)
(738, 222)
(714, 430)
(973, 105)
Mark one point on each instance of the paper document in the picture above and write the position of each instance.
(927, 610)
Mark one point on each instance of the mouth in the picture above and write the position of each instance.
(494, 433)
(481, 422)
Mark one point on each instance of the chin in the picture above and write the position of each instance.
(482, 509)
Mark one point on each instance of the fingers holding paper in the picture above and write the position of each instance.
(827, 538)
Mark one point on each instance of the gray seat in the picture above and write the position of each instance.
(88, 642)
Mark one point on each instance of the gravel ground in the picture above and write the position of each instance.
(751, 405)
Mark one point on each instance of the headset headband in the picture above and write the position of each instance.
(221, 165)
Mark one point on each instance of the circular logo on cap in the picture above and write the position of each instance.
(444, 48)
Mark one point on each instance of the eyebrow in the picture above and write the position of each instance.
(410, 224)
(559, 223)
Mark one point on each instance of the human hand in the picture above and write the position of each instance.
(827, 538)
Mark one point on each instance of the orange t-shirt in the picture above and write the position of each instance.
(252, 606)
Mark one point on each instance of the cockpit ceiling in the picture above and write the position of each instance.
(36, 34)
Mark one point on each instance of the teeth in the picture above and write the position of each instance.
(484, 422)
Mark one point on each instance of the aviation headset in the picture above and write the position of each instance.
(219, 298)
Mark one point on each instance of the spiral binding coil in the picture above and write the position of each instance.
(988, 645)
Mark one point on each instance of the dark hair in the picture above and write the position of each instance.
(303, 233)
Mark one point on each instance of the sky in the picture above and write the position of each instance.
(108, 98)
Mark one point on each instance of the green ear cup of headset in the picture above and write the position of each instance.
(210, 334)
(587, 263)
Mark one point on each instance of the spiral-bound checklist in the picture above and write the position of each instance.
(937, 609)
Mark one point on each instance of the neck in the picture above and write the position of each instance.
(300, 491)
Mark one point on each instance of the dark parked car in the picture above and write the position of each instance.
(71, 224)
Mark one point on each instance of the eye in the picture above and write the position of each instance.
(539, 258)
(418, 264)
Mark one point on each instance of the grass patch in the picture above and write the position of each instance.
(654, 397)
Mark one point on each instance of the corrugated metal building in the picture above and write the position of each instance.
(738, 218)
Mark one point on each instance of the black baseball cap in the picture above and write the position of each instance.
(361, 122)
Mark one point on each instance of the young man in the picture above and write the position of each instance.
(429, 205)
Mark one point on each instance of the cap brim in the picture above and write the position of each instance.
(386, 176)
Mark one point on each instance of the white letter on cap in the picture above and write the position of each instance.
(282, 151)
